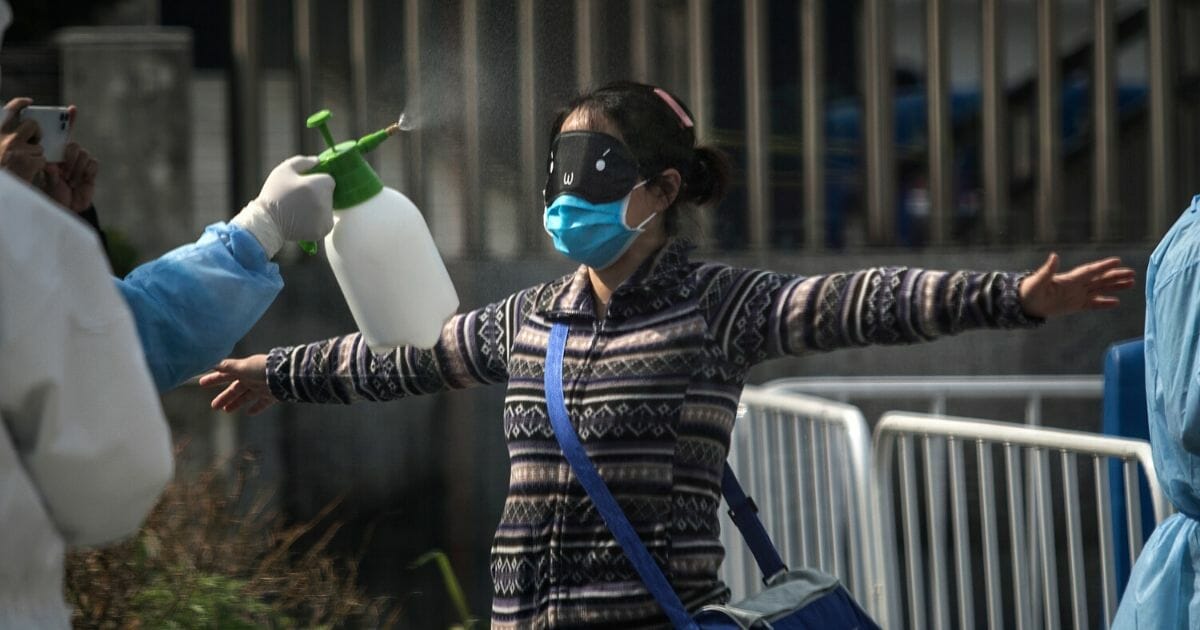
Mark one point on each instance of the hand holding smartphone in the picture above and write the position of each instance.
(54, 123)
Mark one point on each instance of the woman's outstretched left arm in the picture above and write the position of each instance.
(763, 315)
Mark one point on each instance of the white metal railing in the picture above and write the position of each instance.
(894, 443)
(816, 511)
(937, 390)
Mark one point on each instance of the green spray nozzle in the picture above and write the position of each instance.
(354, 179)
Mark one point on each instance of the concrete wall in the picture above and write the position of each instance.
(131, 85)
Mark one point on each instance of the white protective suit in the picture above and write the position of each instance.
(84, 447)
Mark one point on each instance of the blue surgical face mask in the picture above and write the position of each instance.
(594, 234)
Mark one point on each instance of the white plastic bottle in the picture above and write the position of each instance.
(381, 252)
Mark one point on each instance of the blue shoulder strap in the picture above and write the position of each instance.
(744, 514)
(741, 508)
(652, 576)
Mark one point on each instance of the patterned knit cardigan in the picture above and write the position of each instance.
(652, 390)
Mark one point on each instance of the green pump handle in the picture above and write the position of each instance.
(362, 183)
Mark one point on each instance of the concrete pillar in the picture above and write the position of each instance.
(131, 85)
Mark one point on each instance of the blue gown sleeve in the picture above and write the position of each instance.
(195, 302)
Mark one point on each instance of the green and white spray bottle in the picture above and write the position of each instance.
(380, 249)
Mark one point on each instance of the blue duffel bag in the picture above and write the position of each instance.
(793, 600)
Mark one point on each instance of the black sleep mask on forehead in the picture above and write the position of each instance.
(591, 165)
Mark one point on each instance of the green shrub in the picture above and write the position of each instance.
(199, 561)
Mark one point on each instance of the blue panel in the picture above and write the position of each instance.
(1125, 416)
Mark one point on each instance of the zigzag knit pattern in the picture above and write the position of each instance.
(652, 391)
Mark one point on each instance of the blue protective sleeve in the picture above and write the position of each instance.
(193, 303)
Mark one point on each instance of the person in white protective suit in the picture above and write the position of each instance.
(84, 447)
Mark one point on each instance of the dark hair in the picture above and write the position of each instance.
(658, 139)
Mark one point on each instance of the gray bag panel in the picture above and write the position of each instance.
(787, 592)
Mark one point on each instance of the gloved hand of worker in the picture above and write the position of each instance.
(292, 206)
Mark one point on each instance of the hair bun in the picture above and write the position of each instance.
(708, 176)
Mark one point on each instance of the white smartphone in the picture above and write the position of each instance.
(55, 125)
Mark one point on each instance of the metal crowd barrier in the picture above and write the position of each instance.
(806, 461)
(937, 390)
(926, 588)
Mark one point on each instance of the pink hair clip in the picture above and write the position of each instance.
(684, 119)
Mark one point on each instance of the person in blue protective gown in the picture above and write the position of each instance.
(194, 303)
(1164, 588)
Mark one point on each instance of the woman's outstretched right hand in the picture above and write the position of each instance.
(245, 382)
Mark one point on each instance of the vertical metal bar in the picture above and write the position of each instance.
(935, 507)
(814, 458)
(783, 517)
(941, 139)
(836, 566)
(1049, 555)
(1033, 417)
(785, 461)
(962, 535)
(995, 123)
(766, 468)
(246, 98)
(1163, 201)
(991, 552)
(1049, 193)
(812, 61)
(413, 141)
(474, 220)
(1016, 530)
(937, 406)
(801, 493)
(699, 72)
(639, 39)
(1104, 528)
(887, 586)
(1033, 410)
(303, 19)
(531, 166)
(360, 46)
(585, 43)
(1104, 123)
(754, 21)
(804, 492)
(912, 535)
(1133, 509)
(877, 92)
(856, 523)
(1075, 541)
(699, 66)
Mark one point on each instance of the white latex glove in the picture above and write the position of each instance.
(292, 206)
